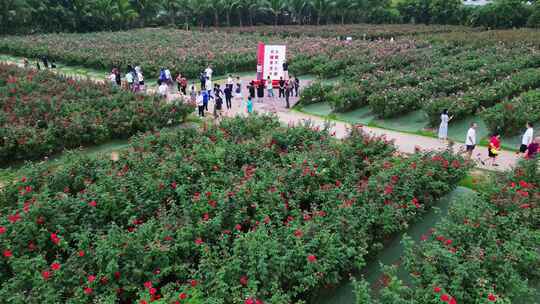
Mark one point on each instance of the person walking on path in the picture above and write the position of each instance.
(239, 83)
(270, 88)
(533, 149)
(296, 86)
(238, 93)
(193, 94)
(249, 105)
(286, 70)
(162, 89)
(228, 96)
(288, 93)
(208, 72)
(281, 87)
(493, 149)
(251, 89)
(140, 78)
(202, 79)
(470, 140)
(230, 82)
(218, 100)
(443, 128)
(200, 104)
(527, 138)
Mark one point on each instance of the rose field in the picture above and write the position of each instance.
(110, 196)
(406, 85)
(224, 214)
(42, 113)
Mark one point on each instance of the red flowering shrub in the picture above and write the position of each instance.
(269, 225)
(41, 113)
(486, 251)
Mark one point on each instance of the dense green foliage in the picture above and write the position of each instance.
(41, 113)
(464, 72)
(24, 16)
(485, 251)
(226, 213)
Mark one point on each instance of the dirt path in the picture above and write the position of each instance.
(406, 143)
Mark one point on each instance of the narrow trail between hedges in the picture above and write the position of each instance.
(405, 142)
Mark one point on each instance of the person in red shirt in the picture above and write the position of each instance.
(494, 148)
(533, 149)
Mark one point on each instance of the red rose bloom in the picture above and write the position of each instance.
(148, 284)
(92, 204)
(55, 266)
(88, 290)
(436, 289)
(445, 298)
(492, 297)
(193, 283)
(55, 239)
(182, 296)
(91, 278)
(199, 241)
(311, 258)
(244, 280)
(8, 253)
(2, 229)
(81, 253)
(45, 275)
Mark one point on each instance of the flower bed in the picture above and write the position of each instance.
(42, 113)
(188, 52)
(510, 116)
(485, 252)
(243, 212)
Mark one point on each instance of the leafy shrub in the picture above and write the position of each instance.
(315, 93)
(496, 266)
(511, 116)
(221, 214)
(43, 113)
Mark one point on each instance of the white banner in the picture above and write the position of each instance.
(274, 57)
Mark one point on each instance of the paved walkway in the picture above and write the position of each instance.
(405, 142)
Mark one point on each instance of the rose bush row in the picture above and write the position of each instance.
(242, 212)
(486, 251)
(485, 97)
(512, 115)
(42, 113)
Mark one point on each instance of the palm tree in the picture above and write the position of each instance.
(275, 7)
(297, 9)
(171, 7)
(228, 6)
(321, 7)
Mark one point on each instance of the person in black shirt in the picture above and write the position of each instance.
(228, 96)
(286, 70)
(251, 88)
(296, 85)
(45, 61)
(281, 87)
(202, 78)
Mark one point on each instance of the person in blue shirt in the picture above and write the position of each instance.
(206, 98)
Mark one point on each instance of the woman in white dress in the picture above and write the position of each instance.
(443, 128)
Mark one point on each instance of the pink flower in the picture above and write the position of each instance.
(311, 258)
(92, 204)
(88, 290)
(2, 229)
(436, 289)
(14, 218)
(81, 253)
(199, 241)
(148, 284)
(445, 298)
(55, 266)
(91, 278)
(8, 253)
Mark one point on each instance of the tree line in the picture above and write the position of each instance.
(30, 16)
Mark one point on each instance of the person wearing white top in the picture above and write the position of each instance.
(112, 79)
(443, 128)
(230, 82)
(163, 89)
(208, 73)
(527, 138)
(200, 104)
(470, 141)
(129, 79)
